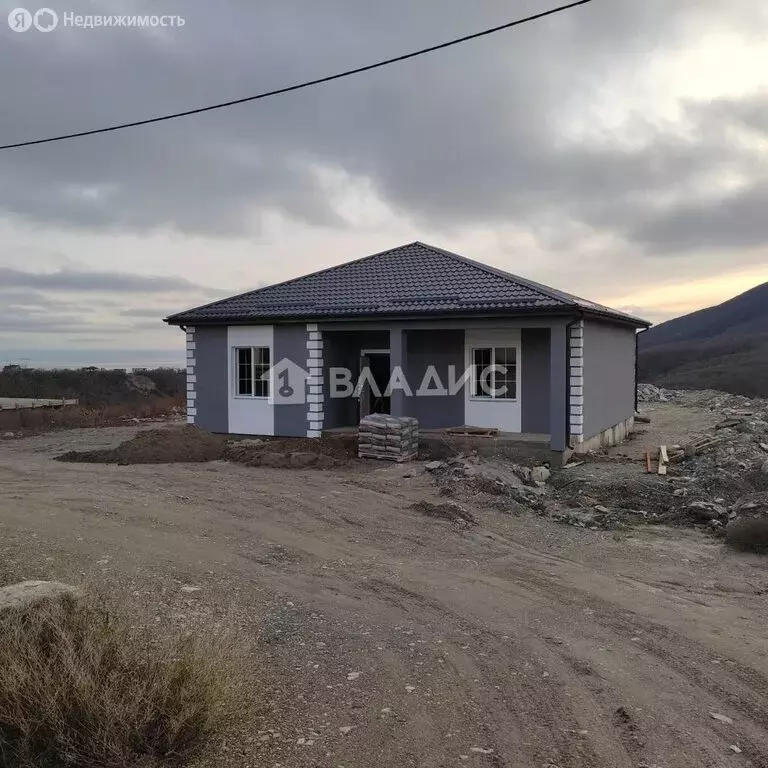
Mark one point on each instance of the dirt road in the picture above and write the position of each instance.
(392, 639)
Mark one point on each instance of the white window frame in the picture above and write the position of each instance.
(236, 371)
(493, 347)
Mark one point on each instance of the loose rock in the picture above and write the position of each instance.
(30, 593)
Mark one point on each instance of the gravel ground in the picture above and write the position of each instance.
(386, 637)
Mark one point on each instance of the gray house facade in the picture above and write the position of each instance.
(413, 331)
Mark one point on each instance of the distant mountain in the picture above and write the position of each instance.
(723, 347)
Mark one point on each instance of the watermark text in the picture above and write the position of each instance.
(46, 20)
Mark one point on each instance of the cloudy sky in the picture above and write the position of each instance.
(619, 151)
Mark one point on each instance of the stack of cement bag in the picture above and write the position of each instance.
(388, 437)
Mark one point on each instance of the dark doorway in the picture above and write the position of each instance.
(371, 402)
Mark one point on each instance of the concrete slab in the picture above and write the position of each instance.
(16, 403)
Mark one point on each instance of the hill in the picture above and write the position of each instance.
(723, 347)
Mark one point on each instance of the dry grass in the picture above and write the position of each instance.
(72, 417)
(81, 687)
(748, 534)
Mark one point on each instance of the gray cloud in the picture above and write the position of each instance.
(34, 301)
(737, 220)
(76, 281)
(469, 136)
(55, 323)
(143, 313)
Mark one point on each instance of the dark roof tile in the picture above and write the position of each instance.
(412, 279)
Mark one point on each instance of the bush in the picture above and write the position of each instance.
(748, 534)
(81, 687)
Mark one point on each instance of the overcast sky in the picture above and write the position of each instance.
(618, 151)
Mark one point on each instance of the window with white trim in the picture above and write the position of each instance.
(251, 366)
(494, 373)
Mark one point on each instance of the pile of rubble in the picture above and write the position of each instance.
(738, 445)
(648, 393)
(713, 480)
(710, 479)
(732, 475)
(498, 483)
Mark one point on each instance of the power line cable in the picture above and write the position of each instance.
(298, 86)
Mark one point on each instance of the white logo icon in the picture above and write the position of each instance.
(45, 20)
(287, 383)
(19, 19)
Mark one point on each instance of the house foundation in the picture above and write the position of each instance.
(605, 439)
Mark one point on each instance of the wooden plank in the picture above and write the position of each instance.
(663, 459)
(648, 467)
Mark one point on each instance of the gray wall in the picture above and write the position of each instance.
(290, 341)
(439, 348)
(609, 375)
(535, 382)
(211, 369)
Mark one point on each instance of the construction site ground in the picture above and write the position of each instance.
(387, 637)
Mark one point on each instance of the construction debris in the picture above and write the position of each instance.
(712, 478)
(498, 483)
(648, 393)
(474, 431)
(695, 447)
(663, 460)
(394, 438)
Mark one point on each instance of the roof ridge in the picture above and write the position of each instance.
(551, 293)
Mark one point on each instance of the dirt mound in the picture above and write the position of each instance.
(454, 513)
(298, 451)
(157, 446)
(264, 457)
(191, 444)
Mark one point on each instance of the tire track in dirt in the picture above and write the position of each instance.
(533, 718)
(744, 690)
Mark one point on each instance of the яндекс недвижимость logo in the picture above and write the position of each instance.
(43, 19)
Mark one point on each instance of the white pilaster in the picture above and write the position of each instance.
(191, 377)
(315, 364)
(576, 381)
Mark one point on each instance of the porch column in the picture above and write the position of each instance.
(558, 387)
(397, 355)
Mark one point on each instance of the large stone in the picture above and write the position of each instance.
(704, 511)
(30, 593)
(752, 505)
(540, 474)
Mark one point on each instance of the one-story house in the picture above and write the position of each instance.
(413, 331)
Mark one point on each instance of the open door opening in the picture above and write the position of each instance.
(373, 400)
